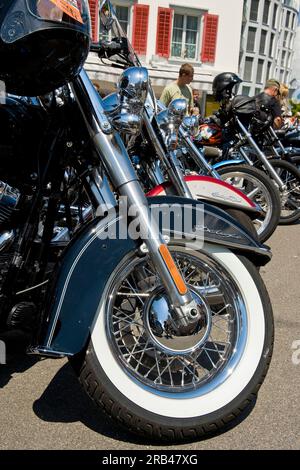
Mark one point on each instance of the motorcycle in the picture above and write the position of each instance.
(245, 127)
(168, 325)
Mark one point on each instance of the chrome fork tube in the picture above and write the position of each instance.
(169, 161)
(261, 156)
(245, 156)
(179, 181)
(116, 161)
(278, 142)
(275, 151)
(100, 190)
(197, 155)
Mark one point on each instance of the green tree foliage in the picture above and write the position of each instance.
(295, 107)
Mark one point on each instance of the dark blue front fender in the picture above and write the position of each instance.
(90, 259)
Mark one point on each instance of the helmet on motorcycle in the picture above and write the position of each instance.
(223, 85)
(209, 134)
(43, 43)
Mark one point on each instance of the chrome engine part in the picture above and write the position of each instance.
(9, 198)
(6, 239)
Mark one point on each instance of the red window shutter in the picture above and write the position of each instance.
(164, 31)
(209, 42)
(140, 28)
(94, 10)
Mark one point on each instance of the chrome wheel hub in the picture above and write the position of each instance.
(167, 334)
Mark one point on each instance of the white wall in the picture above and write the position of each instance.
(295, 75)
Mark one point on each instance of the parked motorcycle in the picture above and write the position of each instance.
(170, 336)
(245, 126)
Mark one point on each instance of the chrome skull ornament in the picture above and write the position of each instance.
(133, 88)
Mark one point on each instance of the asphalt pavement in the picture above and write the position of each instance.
(42, 406)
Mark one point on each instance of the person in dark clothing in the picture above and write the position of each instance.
(196, 101)
(270, 98)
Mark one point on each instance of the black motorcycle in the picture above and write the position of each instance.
(164, 318)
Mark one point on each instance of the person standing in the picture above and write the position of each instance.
(284, 100)
(270, 98)
(180, 88)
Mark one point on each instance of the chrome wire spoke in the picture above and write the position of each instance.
(256, 191)
(222, 310)
(215, 351)
(131, 294)
(161, 372)
(135, 345)
(129, 322)
(253, 193)
(155, 365)
(139, 362)
(187, 278)
(258, 222)
(152, 348)
(216, 344)
(134, 291)
(196, 367)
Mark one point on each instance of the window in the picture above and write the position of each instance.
(123, 17)
(254, 10)
(257, 91)
(294, 22)
(246, 91)
(271, 45)
(282, 75)
(259, 74)
(251, 40)
(262, 45)
(185, 36)
(287, 20)
(268, 73)
(285, 39)
(287, 77)
(274, 21)
(266, 12)
(283, 57)
(248, 69)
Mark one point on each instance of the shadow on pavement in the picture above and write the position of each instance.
(18, 363)
(64, 401)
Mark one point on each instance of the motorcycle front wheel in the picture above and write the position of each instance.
(290, 197)
(170, 386)
(261, 190)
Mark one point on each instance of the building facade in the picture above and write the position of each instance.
(168, 33)
(268, 42)
(295, 74)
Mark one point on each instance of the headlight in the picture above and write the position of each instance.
(190, 124)
(177, 110)
(170, 119)
(133, 88)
